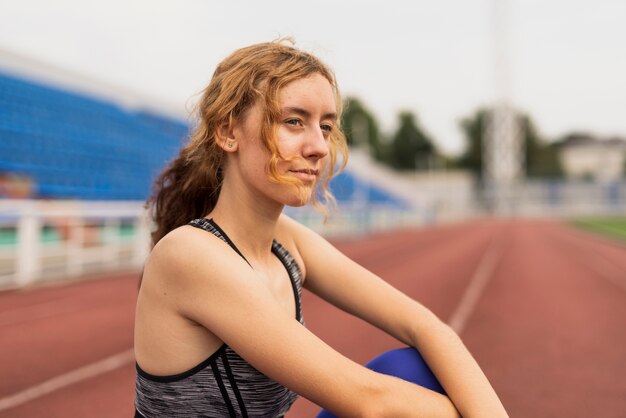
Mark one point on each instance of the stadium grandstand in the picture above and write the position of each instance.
(77, 160)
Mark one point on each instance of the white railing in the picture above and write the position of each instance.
(48, 240)
(42, 240)
(353, 219)
(567, 199)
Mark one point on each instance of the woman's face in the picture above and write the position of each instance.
(308, 114)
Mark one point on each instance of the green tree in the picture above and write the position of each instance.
(361, 128)
(411, 148)
(473, 128)
(540, 158)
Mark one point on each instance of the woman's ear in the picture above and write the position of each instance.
(226, 138)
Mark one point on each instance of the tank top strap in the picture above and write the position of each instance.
(294, 272)
(210, 226)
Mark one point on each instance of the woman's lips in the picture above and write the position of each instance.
(305, 174)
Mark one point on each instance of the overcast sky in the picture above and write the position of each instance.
(435, 58)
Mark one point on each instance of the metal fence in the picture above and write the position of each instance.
(49, 240)
(563, 199)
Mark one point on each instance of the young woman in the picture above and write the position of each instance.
(219, 330)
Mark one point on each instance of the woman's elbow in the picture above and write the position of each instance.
(373, 408)
(377, 402)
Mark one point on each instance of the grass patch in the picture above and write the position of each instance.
(611, 227)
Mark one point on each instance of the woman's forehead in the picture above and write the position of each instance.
(312, 94)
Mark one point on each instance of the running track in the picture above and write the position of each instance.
(541, 306)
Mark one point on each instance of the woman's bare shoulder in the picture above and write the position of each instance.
(184, 236)
(303, 238)
(179, 253)
(290, 229)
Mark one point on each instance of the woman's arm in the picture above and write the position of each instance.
(210, 284)
(347, 285)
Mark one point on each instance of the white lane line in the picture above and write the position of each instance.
(94, 369)
(477, 284)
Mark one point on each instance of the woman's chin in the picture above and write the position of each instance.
(298, 202)
(296, 195)
(301, 198)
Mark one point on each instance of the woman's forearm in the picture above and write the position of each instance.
(457, 371)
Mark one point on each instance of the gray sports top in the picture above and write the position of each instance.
(223, 385)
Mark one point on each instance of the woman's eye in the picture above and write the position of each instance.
(294, 122)
(327, 128)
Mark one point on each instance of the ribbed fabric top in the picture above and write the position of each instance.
(223, 385)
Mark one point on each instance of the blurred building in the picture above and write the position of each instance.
(589, 158)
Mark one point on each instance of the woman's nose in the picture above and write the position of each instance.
(316, 145)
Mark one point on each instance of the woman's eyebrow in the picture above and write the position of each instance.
(306, 114)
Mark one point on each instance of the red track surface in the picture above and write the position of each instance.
(548, 328)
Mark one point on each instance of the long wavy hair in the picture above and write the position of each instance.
(189, 187)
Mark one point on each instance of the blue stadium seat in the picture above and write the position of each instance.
(74, 146)
(80, 147)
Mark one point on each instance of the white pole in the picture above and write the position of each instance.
(502, 148)
(360, 128)
(28, 251)
(142, 239)
(76, 241)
